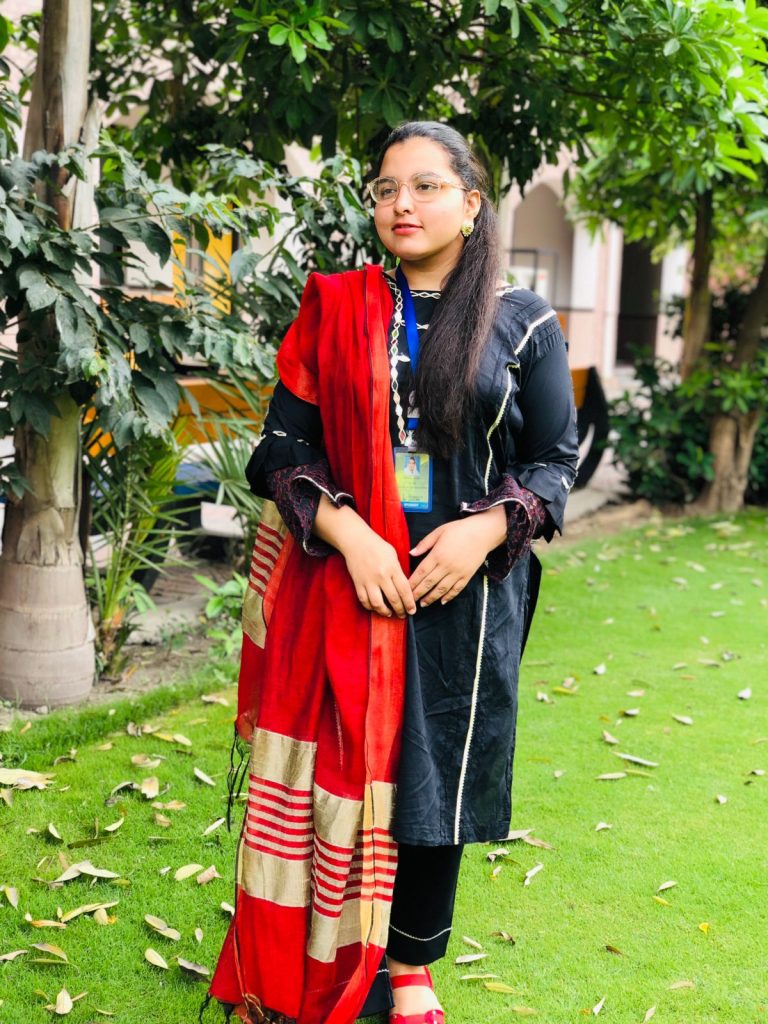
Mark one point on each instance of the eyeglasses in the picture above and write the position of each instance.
(424, 187)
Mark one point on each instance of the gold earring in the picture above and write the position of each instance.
(467, 228)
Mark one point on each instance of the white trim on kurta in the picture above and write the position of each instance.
(481, 638)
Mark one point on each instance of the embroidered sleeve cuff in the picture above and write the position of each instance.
(527, 519)
(296, 491)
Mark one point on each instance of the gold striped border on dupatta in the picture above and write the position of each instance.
(276, 844)
(353, 872)
(270, 535)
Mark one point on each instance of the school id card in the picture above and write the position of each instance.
(413, 472)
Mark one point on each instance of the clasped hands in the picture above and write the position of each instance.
(453, 554)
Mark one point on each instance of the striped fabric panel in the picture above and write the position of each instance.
(266, 549)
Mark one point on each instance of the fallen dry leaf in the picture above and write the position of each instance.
(162, 820)
(150, 787)
(13, 954)
(211, 698)
(155, 959)
(64, 1003)
(499, 986)
(470, 958)
(183, 740)
(613, 949)
(609, 776)
(193, 968)
(529, 875)
(519, 833)
(208, 876)
(505, 936)
(162, 928)
(602, 825)
(704, 927)
(213, 826)
(203, 777)
(47, 947)
(665, 885)
(524, 1011)
(599, 670)
(649, 1013)
(199, 934)
(114, 826)
(598, 1007)
(84, 867)
(172, 805)
(683, 719)
(227, 908)
(533, 841)
(477, 977)
(471, 942)
(608, 737)
(105, 746)
(721, 799)
(664, 903)
(53, 831)
(685, 983)
(145, 761)
(11, 894)
(43, 923)
(186, 871)
(744, 694)
(502, 851)
(636, 760)
(20, 778)
(88, 908)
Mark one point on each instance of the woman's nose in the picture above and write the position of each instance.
(404, 199)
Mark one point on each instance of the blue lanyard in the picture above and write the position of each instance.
(411, 330)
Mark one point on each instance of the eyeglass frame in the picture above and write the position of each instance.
(386, 202)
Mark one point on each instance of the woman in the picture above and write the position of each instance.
(383, 631)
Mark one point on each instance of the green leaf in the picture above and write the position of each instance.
(278, 34)
(298, 49)
(40, 295)
(671, 46)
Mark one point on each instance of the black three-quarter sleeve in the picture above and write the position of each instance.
(292, 435)
(547, 449)
(289, 467)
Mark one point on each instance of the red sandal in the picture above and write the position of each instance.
(431, 1016)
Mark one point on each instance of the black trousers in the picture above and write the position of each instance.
(422, 902)
(421, 916)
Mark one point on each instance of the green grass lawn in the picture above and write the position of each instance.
(675, 620)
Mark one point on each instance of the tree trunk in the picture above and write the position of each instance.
(46, 631)
(731, 440)
(732, 436)
(698, 304)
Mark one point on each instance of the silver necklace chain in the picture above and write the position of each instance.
(394, 359)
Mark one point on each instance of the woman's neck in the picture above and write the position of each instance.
(429, 274)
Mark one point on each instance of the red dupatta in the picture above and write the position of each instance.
(320, 697)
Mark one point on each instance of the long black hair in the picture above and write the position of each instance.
(460, 325)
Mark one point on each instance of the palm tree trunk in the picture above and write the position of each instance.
(46, 631)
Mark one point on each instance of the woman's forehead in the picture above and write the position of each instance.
(414, 155)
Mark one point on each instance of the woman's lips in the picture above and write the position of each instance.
(405, 229)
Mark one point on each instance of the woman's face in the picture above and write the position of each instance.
(416, 231)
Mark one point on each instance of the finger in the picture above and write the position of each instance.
(377, 602)
(405, 592)
(428, 583)
(422, 571)
(392, 595)
(425, 544)
(455, 590)
(438, 591)
(362, 597)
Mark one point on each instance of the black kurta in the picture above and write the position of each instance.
(463, 657)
